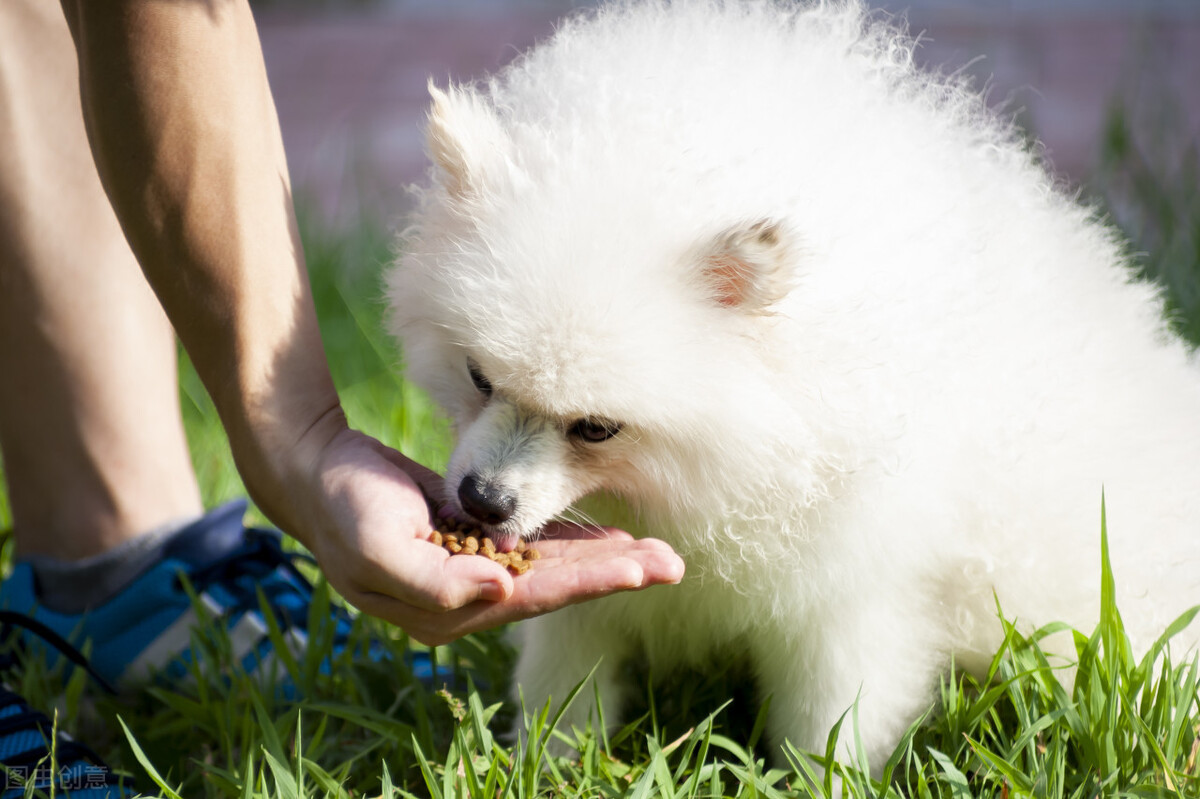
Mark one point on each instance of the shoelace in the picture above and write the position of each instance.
(69, 754)
(10, 619)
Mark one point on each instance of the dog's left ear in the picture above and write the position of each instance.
(749, 266)
(465, 140)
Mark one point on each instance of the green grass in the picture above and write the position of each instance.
(1125, 727)
(1148, 176)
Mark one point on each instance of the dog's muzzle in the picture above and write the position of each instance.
(487, 502)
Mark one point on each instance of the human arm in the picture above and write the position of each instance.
(184, 134)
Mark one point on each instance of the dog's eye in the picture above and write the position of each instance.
(594, 430)
(481, 382)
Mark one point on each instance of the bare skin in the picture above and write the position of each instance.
(89, 418)
(186, 149)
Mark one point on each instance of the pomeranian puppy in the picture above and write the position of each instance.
(739, 276)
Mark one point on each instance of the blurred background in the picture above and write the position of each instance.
(349, 77)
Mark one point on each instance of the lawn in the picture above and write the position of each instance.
(365, 727)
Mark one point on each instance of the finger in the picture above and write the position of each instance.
(425, 576)
(564, 530)
(590, 547)
(533, 595)
(549, 585)
(558, 581)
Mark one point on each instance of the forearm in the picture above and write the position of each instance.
(185, 136)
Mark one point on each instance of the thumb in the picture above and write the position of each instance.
(427, 577)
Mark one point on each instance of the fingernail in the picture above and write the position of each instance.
(493, 592)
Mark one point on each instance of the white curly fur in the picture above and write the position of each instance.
(858, 431)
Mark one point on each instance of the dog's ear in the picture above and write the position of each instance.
(749, 266)
(465, 140)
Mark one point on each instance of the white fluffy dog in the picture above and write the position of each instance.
(746, 279)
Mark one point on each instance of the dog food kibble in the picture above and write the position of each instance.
(459, 539)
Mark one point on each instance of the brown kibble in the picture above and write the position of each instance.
(462, 538)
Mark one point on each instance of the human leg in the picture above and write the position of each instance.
(97, 466)
(93, 447)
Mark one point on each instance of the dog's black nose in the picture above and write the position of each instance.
(487, 502)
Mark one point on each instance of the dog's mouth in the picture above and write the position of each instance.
(504, 541)
(493, 507)
(505, 536)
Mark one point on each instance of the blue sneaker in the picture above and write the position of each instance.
(26, 736)
(147, 630)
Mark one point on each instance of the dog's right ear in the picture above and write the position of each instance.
(749, 266)
(465, 140)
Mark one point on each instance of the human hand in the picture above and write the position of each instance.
(229, 272)
(367, 525)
